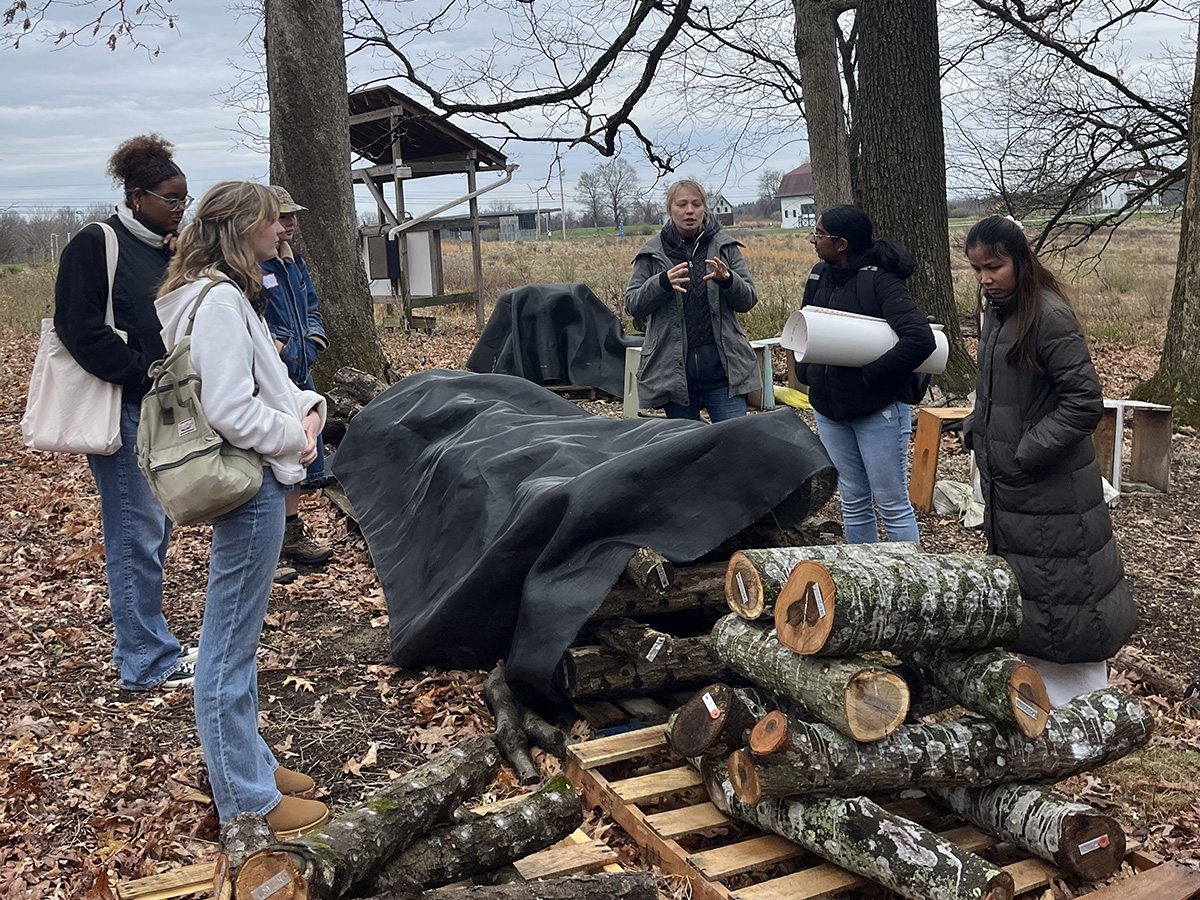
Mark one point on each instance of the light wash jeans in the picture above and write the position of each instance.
(245, 552)
(871, 457)
(136, 535)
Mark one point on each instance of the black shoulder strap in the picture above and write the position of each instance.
(868, 302)
(814, 278)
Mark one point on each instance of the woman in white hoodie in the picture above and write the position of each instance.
(249, 398)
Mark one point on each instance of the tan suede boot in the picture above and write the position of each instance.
(295, 816)
(294, 784)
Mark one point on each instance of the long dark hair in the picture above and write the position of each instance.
(1004, 238)
(852, 225)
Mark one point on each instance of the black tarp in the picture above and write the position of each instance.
(554, 334)
(499, 515)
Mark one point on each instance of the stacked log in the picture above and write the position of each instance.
(411, 837)
(849, 622)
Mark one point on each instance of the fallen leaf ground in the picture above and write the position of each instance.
(100, 786)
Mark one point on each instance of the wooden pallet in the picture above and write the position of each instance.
(576, 854)
(661, 804)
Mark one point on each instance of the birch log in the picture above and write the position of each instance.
(859, 699)
(755, 577)
(453, 852)
(899, 604)
(585, 672)
(695, 587)
(1075, 837)
(862, 837)
(992, 683)
(1086, 733)
(324, 864)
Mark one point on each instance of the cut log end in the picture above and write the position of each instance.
(1001, 887)
(651, 571)
(770, 735)
(744, 588)
(876, 702)
(1030, 701)
(275, 867)
(743, 777)
(804, 610)
(711, 723)
(1092, 846)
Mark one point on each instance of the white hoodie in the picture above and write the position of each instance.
(233, 352)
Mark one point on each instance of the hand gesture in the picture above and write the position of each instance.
(720, 273)
(678, 276)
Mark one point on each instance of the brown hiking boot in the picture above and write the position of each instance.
(285, 574)
(294, 784)
(294, 816)
(299, 546)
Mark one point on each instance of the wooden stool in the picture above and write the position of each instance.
(1150, 444)
(930, 422)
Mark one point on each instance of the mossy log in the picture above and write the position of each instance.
(326, 863)
(898, 603)
(862, 837)
(1075, 837)
(650, 571)
(1089, 732)
(754, 578)
(510, 733)
(694, 587)
(861, 700)
(608, 886)
(585, 672)
(993, 683)
(453, 852)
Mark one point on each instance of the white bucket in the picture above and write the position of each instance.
(830, 337)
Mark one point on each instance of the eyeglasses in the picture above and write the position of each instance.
(818, 235)
(173, 203)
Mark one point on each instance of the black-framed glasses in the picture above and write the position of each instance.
(818, 235)
(173, 203)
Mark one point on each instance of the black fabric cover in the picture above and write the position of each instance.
(555, 334)
(499, 515)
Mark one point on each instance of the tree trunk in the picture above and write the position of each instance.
(599, 672)
(902, 162)
(992, 683)
(824, 111)
(755, 577)
(1177, 381)
(1077, 838)
(615, 886)
(650, 571)
(310, 156)
(1089, 732)
(454, 852)
(859, 699)
(510, 735)
(862, 837)
(898, 604)
(696, 587)
(324, 864)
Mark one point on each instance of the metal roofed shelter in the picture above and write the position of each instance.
(401, 139)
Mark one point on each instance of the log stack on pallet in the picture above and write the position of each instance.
(817, 631)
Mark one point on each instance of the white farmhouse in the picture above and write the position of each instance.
(795, 195)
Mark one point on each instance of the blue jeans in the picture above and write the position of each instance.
(245, 552)
(708, 388)
(136, 535)
(871, 456)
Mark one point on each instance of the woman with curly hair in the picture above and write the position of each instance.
(136, 531)
(214, 285)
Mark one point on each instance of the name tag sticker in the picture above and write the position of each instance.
(270, 281)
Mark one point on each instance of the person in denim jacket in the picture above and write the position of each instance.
(294, 318)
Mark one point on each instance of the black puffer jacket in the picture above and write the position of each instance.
(843, 392)
(1044, 506)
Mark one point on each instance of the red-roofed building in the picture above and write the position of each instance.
(795, 195)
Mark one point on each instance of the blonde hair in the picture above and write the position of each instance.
(689, 184)
(215, 244)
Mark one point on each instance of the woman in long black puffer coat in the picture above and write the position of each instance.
(1038, 400)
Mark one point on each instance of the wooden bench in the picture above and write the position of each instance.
(931, 421)
(1150, 443)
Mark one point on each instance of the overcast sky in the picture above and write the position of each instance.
(63, 111)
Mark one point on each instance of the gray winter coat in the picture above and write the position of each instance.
(1044, 507)
(662, 377)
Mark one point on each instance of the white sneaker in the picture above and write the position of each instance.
(188, 653)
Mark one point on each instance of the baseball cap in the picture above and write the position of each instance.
(286, 203)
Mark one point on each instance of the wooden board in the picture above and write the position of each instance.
(664, 810)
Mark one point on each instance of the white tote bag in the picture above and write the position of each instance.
(68, 409)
